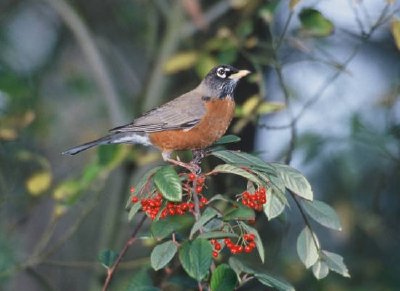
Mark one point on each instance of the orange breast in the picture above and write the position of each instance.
(211, 127)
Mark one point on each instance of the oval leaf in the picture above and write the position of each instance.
(134, 209)
(217, 234)
(272, 281)
(223, 278)
(306, 248)
(195, 257)
(274, 206)
(294, 181)
(163, 254)
(230, 138)
(320, 269)
(239, 212)
(231, 169)
(335, 263)
(168, 183)
(257, 240)
(244, 159)
(322, 213)
(207, 215)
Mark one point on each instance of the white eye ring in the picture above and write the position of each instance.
(221, 73)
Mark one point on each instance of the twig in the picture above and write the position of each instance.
(306, 220)
(130, 241)
(321, 90)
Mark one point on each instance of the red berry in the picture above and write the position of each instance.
(132, 189)
(215, 254)
(200, 180)
(247, 249)
(135, 199)
(213, 241)
(203, 200)
(191, 176)
(217, 246)
(240, 249)
(199, 189)
(252, 244)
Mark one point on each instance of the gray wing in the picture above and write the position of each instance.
(183, 112)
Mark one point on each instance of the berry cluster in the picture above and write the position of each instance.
(153, 206)
(245, 244)
(255, 200)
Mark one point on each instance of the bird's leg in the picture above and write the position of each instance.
(198, 155)
(191, 167)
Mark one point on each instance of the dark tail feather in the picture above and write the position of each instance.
(119, 137)
(75, 150)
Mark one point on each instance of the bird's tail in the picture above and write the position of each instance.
(115, 138)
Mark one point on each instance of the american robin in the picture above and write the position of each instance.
(194, 120)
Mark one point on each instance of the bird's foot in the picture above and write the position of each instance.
(198, 155)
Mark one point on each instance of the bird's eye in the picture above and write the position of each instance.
(221, 73)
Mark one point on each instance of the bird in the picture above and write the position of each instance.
(192, 121)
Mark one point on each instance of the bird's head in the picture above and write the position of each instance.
(221, 81)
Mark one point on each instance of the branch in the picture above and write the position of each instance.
(93, 56)
(130, 241)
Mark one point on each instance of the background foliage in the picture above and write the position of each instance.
(324, 97)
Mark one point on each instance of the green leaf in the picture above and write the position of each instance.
(218, 197)
(207, 215)
(315, 23)
(244, 159)
(164, 227)
(274, 206)
(231, 169)
(272, 281)
(322, 213)
(294, 181)
(168, 183)
(306, 249)
(107, 258)
(257, 240)
(223, 278)
(216, 234)
(195, 257)
(230, 138)
(239, 267)
(139, 186)
(134, 209)
(335, 263)
(141, 281)
(163, 254)
(320, 269)
(239, 212)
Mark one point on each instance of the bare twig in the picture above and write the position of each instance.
(130, 241)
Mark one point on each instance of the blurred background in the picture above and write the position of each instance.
(324, 97)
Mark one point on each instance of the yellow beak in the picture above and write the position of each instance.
(239, 75)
